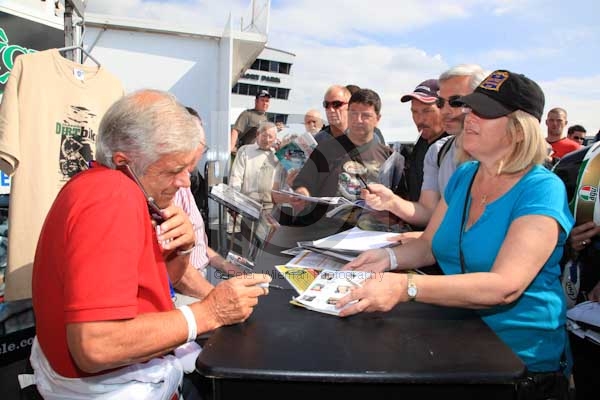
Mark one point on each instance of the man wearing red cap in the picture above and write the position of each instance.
(427, 117)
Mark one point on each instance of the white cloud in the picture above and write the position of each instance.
(380, 45)
(390, 72)
(341, 22)
(513, 56)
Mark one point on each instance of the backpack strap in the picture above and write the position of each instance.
(444, 150)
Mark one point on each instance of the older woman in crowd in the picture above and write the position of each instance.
(498, 233)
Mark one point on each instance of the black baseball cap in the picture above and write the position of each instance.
(263, 93)
(503, 92)
(426, 92)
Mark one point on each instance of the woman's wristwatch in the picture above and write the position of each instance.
(411, 287)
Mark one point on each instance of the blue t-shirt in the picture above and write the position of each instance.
(534, 325)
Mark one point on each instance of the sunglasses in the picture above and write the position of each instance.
(335, 104)
(440, 102)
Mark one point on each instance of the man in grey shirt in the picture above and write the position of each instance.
(457, 81)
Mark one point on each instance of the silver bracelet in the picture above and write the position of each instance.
(186, 251)
(393, 260)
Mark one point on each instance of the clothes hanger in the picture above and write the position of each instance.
(80, 46)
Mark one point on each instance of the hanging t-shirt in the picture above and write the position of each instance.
(49, 120)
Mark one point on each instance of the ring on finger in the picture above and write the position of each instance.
(583, 242)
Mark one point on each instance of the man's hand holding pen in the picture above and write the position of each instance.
(378, 197)
(365, 185)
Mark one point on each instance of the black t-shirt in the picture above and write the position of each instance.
(413, 172)
(332, 170)
(333, 167)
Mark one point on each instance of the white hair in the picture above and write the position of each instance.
(146, 125)
(475, 71)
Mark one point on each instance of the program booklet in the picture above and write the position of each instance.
(299, 278)
(236, 201)
(336, 201)
(239, 261)
(344, 209)
(311, 259)
(295, 149)
(328, 287)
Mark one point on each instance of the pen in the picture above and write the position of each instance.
(354, 156)
(360, 178)
(266, 285)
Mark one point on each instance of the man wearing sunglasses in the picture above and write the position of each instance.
(577, 134)
(439, 161)
(335, 104)
(345, 164)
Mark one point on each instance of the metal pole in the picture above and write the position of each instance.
(68, 18)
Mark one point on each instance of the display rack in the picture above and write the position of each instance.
(71, 6)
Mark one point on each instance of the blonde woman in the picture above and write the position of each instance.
(498, 233)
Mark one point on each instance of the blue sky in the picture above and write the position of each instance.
(390, 46)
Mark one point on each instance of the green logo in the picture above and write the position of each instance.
(7, 55)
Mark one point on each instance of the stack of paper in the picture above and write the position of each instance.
(356, 240)
(584, 320)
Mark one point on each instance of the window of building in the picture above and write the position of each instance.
(271, 66)
(284, 68)
(251, 90)
(274, 117)
(264, 65)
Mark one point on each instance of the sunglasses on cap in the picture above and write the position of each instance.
(335, 104)
(440, 102)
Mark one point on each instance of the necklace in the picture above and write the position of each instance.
(483, 200)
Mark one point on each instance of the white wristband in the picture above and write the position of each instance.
(392, 256)
(191, 322)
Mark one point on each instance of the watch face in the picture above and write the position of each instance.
(412, 291)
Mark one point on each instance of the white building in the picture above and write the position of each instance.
(272, 71)
(199, 65)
